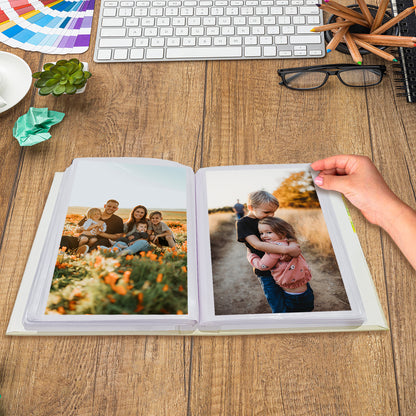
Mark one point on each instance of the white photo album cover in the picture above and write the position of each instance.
(145, 246)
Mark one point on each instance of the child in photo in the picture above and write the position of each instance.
(140, 234)
(293, 274)
(162, 235)
(91, 227)
(262, 204)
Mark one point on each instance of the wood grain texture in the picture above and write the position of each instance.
(206, 114)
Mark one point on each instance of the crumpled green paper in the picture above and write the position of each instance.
(33, 127)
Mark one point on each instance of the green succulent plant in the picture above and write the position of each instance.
(62, 77)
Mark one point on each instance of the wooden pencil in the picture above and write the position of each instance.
(387, 40)
(380, 14)
(330, 26)
(367, 14)
(346, 16)
(352, 47)
(345, 9)
(393, 21)
(336, 39)
(374, 49)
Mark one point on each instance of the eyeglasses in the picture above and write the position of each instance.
(313, 77)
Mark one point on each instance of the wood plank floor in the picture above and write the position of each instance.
(206, 114)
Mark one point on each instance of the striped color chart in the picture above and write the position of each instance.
(47, 26)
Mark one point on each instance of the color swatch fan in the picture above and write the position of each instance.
(47, 26)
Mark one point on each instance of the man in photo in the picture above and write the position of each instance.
(238, 209)
(114, 230)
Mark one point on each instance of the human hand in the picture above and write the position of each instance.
(286, 257)
(362, 184)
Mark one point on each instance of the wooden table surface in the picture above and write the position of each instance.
(207, 114)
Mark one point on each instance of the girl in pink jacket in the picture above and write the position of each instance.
(292, 274)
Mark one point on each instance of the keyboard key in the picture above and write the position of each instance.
(197, 31)
(157, 42)
(236, 40)
(155, 53)
(136, 53)
(125, 12)
(115, 43)
(132, 21)
(315, 52)
(288, 30)
(250, 40)
(173, 41)
(134, 32)
(252, 51)
(304, 29)
(204, 41)
(120, 54)
(269, 51)
(113, 32)
(220, 41)
(204, 53)
(308, 10)
(265, 40)
(280, 40)
(109, 22)
(110, 12)
(104, 54)
(189, 41)
(305, 39)
(141, 42)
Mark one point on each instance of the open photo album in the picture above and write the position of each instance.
(147, 246)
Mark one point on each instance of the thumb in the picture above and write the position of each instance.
(333, 182)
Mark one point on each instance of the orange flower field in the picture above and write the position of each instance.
(102, 282)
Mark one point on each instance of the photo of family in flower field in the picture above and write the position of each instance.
(270, 247)
(123, 249)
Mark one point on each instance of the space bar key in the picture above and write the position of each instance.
(209, 52)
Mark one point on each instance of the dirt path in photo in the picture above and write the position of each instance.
(237, 289)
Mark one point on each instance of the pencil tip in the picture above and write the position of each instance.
(395, 60)
(319, 5)
(359, 63)
(312, 30)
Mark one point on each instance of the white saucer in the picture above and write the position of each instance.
(15, 79)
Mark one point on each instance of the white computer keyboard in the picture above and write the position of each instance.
(177, 30)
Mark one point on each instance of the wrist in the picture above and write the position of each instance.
(392, 214)
(397, 216)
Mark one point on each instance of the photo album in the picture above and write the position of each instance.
(136, 246)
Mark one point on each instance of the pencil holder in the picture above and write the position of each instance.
(342, 47)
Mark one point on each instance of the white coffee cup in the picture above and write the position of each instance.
(2, 102)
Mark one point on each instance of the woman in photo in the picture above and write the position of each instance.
(137, 215)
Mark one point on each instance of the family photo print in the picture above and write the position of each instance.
(291, 204)
(123, 249)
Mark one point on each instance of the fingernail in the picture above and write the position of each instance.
(319, 180)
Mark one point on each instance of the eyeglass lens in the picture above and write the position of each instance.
(360, 77)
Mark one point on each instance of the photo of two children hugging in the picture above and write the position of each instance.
(274, 253)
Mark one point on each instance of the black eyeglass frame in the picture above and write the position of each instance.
(330, 69)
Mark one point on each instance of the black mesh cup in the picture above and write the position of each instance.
(356, 28)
